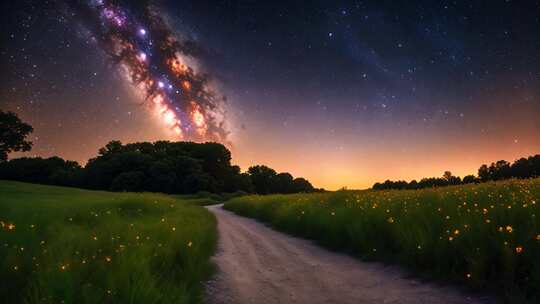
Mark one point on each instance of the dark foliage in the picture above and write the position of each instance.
(52, 171)
(13, 134)
(168, 167)
(265, 180)
(521, 168)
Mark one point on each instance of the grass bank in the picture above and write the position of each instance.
(66, 245)
(486, 236)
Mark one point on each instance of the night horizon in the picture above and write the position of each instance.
(269, 152)
(344, 95)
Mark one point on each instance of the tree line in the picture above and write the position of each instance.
(522, 168)
(162, 166)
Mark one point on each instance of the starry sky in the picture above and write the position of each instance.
(344, 93)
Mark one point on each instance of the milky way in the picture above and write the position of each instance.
(344, 93)
(159, 65)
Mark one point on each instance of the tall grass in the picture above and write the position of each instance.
(486, 236)
(65, 245)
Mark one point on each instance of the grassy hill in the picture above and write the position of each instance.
(486, 236)
(66, 245)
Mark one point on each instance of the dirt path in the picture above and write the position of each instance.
(259, 265)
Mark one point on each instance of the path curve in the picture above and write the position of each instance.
(261, 266)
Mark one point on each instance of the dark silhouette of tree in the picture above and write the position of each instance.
(53, 170)
(450, 179)
(263, 179)
(162, 177)
(301, 184)
(522, 168)
(128, 181)
(484, 173)
(168, 167)
(283, 183)
(13, 133)
(469, 179)
(447, 175)
(500, 170)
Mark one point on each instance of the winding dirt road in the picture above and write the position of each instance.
(261, 266)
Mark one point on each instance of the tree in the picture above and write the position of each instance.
(484, 173)
(283, 183)
(13, 133)
(447, 175)
(301, 184)
(262, 178)
(53, 170)
(128, 181)
(161, 178)
(162, 166)
(469, 179)
(500, 170)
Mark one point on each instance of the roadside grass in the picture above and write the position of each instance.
(204, 198)
(486, 236)
(67, 245)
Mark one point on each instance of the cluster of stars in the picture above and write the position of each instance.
(156, 63)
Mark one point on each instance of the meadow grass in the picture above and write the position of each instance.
(486, 236)
(204, 198)
(67, 245)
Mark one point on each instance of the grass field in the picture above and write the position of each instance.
(486, 236)
(66, 245)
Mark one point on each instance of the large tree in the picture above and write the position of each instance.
(263, 179)
(13, 133)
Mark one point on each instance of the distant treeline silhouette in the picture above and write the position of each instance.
(163, 166)
(521, 168)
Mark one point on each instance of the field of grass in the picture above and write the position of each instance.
(66, 245)
(486, 236)
(204, 198)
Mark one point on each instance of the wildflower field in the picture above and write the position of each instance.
(66, 245)
(486, 236)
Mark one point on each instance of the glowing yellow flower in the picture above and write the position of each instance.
(509, 229)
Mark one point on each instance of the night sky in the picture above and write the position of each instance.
(344, 93)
